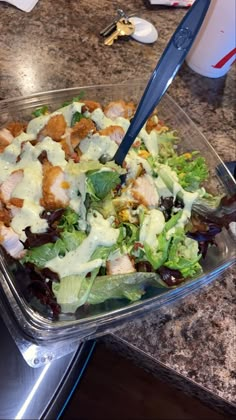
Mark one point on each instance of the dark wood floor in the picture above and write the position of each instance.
(113, 388)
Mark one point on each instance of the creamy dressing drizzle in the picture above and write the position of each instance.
(78, 260)
(133, 164)
(38, 123)
(28, 215)
(150, 141)
(102, 121)
(95, 146)
(153, 224)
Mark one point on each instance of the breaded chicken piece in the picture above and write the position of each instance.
(151, 124)
(81, 129)
(16, 128)
(10, 241)
(90, 106)
(54, 188)
(55, 127)
(66, 146)
(119, 109)
(16, 202)
(144, 191)
(6, 138)
(8, 186)
(5, 216)
(120, 265)
(115, 132)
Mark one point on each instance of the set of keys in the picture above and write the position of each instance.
(119, 28)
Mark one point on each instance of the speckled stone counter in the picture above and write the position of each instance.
(58, 45)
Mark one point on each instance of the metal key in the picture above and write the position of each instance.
(122, 29)
(112, 26)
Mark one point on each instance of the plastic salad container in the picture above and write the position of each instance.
(41, 339)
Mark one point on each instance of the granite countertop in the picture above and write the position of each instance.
(58, 45)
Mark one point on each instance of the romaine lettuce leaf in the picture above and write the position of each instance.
(73, 239)
(103, 252)
(131, 235)
(130, 286)
(102, 182)
(92, 165)
(73, 290)
(105, 206)
(158, 255)
(67, 293)
(41, 254)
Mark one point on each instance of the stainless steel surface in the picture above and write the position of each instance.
(27, 393)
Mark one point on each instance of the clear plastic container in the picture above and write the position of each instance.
(40, 339)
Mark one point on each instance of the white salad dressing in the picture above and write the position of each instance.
(78, 260)
(55, 153)
(77, 195)
(133, 164)
(95, 146)
(170, 178)
(28, 215)
(69, 110)
(38, 123)
(153, 224)
(162, 189)
(10, 154)
(150, 140)
(188, 199)
(30, 188)
(102, 121)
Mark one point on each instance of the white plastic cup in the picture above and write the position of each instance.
(214, 49)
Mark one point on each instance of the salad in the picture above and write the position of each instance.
(85, 231)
